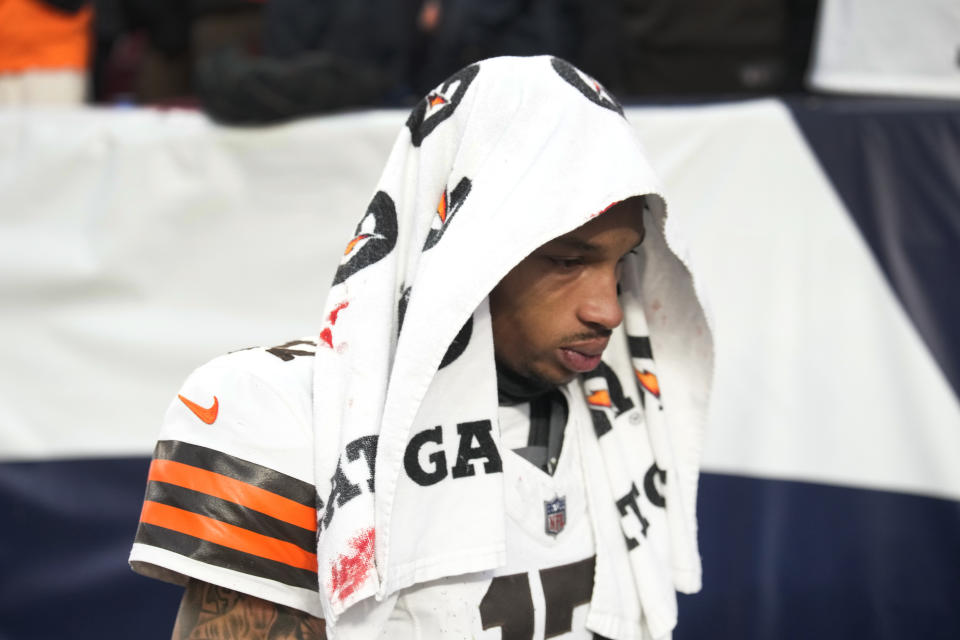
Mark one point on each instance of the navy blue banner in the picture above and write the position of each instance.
(781, 559)
(66, 533)
(796, 560)
(896, 166)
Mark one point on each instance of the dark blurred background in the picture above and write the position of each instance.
(259, 61)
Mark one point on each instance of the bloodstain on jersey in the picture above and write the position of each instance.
(350, 571)
(649, 382)
(600, 398)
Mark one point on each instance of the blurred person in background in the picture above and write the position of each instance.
(462, 31)
(317, 57)
(320, 57)
(147, 51)
(637, 48)
(701, 47)
(260, 62)
(44, 51)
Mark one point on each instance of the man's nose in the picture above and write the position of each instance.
(599, 303)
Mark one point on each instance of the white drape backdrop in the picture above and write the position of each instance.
(134, 245)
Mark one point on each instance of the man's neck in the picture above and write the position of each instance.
(548, 415)
(514, 388)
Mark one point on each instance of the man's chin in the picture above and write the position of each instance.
(556, 378)
(544, 375)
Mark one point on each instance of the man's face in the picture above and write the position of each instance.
(554, 312)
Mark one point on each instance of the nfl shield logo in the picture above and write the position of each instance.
(555, 515)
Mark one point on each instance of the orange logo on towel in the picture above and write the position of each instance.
(442, 207)
(649, 382)
(446, 209)
(600, 398)
(354, 241)
(590, 88)
(206, 414)
(439, 104)
(373, 239)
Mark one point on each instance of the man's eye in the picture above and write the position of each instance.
(566, 263)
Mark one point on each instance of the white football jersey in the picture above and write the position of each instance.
(230, 494)
(544, 589)
(230, 500)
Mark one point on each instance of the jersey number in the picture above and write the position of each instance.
(508, 603)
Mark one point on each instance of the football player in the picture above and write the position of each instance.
(476, 443)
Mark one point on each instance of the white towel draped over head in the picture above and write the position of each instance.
(502, 157)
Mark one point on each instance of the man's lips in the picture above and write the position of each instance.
(583, 356)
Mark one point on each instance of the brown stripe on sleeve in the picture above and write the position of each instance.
(220, 556)
(231, 513)
(228, 512)
(227, 535)
(240, 492)
(238, 469)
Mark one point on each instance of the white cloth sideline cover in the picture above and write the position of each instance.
(504, 156)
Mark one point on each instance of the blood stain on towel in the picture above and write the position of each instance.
(604, 210)
(336, 311)
(326, 337)
(350, 570)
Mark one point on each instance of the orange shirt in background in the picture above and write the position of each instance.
(35, 36)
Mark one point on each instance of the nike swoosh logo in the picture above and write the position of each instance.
(208, 415)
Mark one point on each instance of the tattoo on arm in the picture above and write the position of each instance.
(209, 612)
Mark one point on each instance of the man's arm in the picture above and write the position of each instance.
(208, 611)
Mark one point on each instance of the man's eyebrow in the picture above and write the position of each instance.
(572, 243)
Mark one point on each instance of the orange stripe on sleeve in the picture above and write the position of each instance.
(227, 488)
(227, 535)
